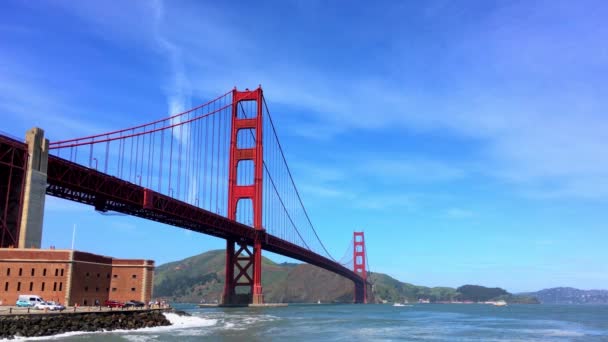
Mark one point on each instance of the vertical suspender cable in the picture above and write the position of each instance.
(180, 142)
(205, 160)
(212, 162)
(169, 190)
(160, 164)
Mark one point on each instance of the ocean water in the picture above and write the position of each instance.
(418, 322)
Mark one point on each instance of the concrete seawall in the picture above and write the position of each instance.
(30, 325)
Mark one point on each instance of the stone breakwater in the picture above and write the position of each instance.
(50, 324)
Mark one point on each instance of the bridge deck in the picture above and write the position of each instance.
(75, 182)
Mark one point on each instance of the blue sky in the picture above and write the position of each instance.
(466, 138)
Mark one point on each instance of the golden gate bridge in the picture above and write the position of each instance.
(217, 169)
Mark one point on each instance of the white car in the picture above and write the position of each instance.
(49, 305)
(57, 305)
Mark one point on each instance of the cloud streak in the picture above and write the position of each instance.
(528, 139)
(503, 95)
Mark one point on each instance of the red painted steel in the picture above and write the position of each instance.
(13, 166)
(253, 192)
(78, 183)
(359, 266)
(94, 138)
(70, 180)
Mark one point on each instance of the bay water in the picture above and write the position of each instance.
(417, 322)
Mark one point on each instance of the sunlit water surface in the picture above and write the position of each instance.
(419, 322)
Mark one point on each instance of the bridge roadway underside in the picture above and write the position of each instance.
(81, 184)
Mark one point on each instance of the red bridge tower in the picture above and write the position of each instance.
(359, 264)
(247, 263)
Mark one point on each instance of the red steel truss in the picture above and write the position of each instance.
(13, 165)
(81, 184)
(174, 171)
(78, 183)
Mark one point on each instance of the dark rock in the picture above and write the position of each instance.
(36, 325)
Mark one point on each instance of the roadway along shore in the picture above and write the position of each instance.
(15, 310)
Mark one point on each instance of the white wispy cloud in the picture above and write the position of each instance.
(533, 125)
(320, 173)
(30, 101)
(386, 202)
(179, 92)
(323, 191)
(411, 170)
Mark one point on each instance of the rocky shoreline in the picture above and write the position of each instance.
(12, 326)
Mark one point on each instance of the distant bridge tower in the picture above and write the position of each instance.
(247, 263)
(359, 266)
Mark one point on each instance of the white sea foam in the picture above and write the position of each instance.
(53, 337)
(562, 333)
(141, 338)
(260, 318)
(182, 322)
(552, 332)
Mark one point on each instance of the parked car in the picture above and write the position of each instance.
(42, 306)
(58, 305)
(54, 303)
(23, 303)
(29, 300)
(135, 304)
(49, 306)
(113, 304)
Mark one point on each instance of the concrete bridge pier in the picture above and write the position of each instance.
(32, 210)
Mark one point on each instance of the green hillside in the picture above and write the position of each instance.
(392, 290)
(201, 278)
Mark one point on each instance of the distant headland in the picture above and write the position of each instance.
(200, 279)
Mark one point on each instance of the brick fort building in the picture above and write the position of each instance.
(67, 276)
(71, 277)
